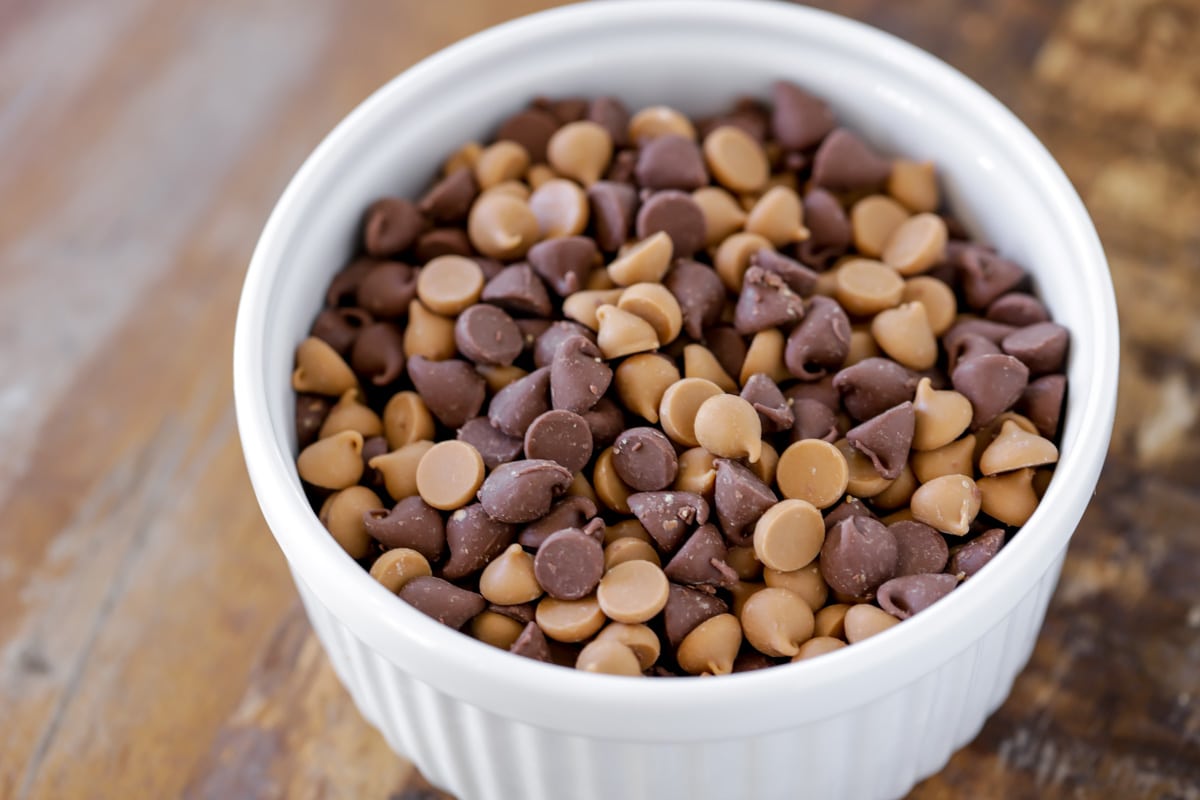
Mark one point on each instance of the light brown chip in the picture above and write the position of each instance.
(765, 355)
(580, 151)
(539, 175)
(654, 303)
(956, 458)
(465, 156)
(626, 529)
(767, 464)
(350, 413)
(789, 535)
(641, 380)
(633, 591)
(818, 646)
(728, 427)
(914, 183)
(916, 244)
(742, 560)
(320, 370)
(561, 208)
(657, 121)
(699, 362)
(608, 657)
(399, 468)
(807, 582)
(864, 621)
(428, 334)
(899, 493)
(580, 487)
(711, 647)
(582, 306)
(495, 629)
(697, 472)
(867, 287)
(449, 475)
(512, 188)
(732, 258)
(1016, 448)
(949, 504)
(735, 159)
(621, 333)
(508, 580)
(723, 215)
(630, 549)
(334, 462)
(1010, 497)
(646, 261)
(406, 419)
(904, 334)
(640, 639)
(342, 515)
(776, 622)
(569, 620)
(680, 402)
(813, 470)
(610, 489)
(502, 226)
(862, 345)
(863, 481)
(395, 568)
(503, 161)
(941, 416)
(830, 621)
(941, 307)
(872, 222)
(497, 376)
(778, 216)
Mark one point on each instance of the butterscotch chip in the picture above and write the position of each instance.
(320, 370)
(350, 413)
(465, 156)
(807, 582)
(904, 334)
(502, 226)
(630, 549)
(580, 487)
(449, 475)
(862, 346)
(654, 303)
(640, 639)
(680, 402)
(334, 462)
(495, 629)
(646, 261)
(867, 287)
(699, 362)
(394, 568)
(916, 244)
(941, 307)
(949, 504)
(539, 175)
(830, 621)
(789, 535)
(610, 490)
(814, 471)
(561, 208)
(608, 657)
(743, 591)
(641, 380)
(872, 222)
(499, 376)
(732, 258)
(711, 647)
(988, 433)
(776, 622)
(778, 216)
(765, 355)
(1016, 448)
(899, 493)
(580, 151)
(863, 621)
(342, 515)
(735, 159)
(509, 580)
(728, 427)
(723, 215)
(599, 280)
(862, 481)
(399, 468)
(767, 464)
(956, 458)
(1041, 481)
(941, 416)
(428, 334)
(621, 333)
(569, 620)
(697, 472)
(582, 306)
(655, 121)
(512, 188)
(626, 529)
(914, 183)
(818, 646)
(503, 161)
(1010, 497)
(633, 591)
(406, 419)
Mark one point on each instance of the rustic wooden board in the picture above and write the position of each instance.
(151, 644)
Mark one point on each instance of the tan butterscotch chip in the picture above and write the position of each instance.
(395, 568)
(776, 622)
(465, 156)
(630, 549)
(1015, 448)
(539, 174)
(872, 222)
(495, 629)
(767, 464)
(334, 462)
(765, 355)
(1011, 497)
(608, 657)
(723, 215)
(350, 413)
(807, 582)
(699, 362)
(899, 493)
(864, 620)
(903, 515)
(904, 334)
(942, 416)
(862, 346)
(581, 306)
(569, 620)
(914, 183)
(502, 226)
(654, 303)
(732, 258)
(640, 639)
(988, 433)
(830, 621)
(949, 504)
(728, 427)
(680, 402)
(561, 208)
(621, 333)
(789, 535)
(406, 419)
(633, 591)
(610, 489)
(814, 471)
(449, 475)
(342, 515)
(641, 380)
(399, 468)
(625, 529)
(941, 307)
(917, 244)
(711, 647)
(580, 151)
(657, 121)
(956, 458)
(646, 261)
(741, 560)
(743, 591)
(428, 334)
(826, 285)
(599, 280)
(1041, 481)
(697, 471)
(498, 376)
(580, 487)
(778, 216)
(867, 287)
(508, 580)
(818, 646)
(736, 159)
(515, 189)
(503, 161)
(320, 370)
(862, 479)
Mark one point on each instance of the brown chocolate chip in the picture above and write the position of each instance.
(444, 242)
(474, 538)
(729, 347)
(844, 162)
(523, 490)
(911, 594)
(686, 608)
(613, 207)
(983, 274)
(922, 549)
(972, 556)
(569, 564)
(799, 120)
(560, 436)
(886, 439)
(1042, 347)
(487, 335)
(343, 288)
(530, 128)
(668, 516)
(1042, 402)
(564, 262)
(612, 115)
(993, 384)
(311, 411)
(495, 446)
(570, 512)
(1016, 308)
(701, 560)
(851, 507)
(859, 554)
(813, 420)
(515, 406)
(676, 214)
(740, 498)
(451, 389)
(532, 644)
(339, 327)
(547, 342)
(799, 278)
(766, 301)
(391, 226)
(774, 411)
(411, 523)
(874, 385)
(387, 289)
(518, 290)
(442, 600)
(994, 332)
(700, 293)
(378, 353)
(966, 346)
(578, 375)
(606, 421)
(671, 161)
(449, 200)
(820, 343)
(828, 227)
(644, 459)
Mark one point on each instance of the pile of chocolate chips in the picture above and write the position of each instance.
(648, 395)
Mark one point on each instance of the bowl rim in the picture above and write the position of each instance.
(458, 663)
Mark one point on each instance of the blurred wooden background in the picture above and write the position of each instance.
(151, 644)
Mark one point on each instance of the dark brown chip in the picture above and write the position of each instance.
(378, 353)
(751, 660)
(886, 439)
(515, 406)
(311, 411)
(532, 644)
(820, 343)
(490, 267)
(487, 335)
(971, 557)
(518, 290)
(560, 436)
(844, 162)
(859, 554)
(558, 332)
(412, 523)
(570, 512)
(614, 206)
(569, 564)
(531, 329)
(645, 459)
(564, 262)
(799, 278)
(676, 214)
(1017, 308)
(700, 293)
(822, 391)
(828, 227)
(339, 327)
(911, 594)
(450, 199)
(442, 600)
(532, 129)
(387, 289)
(1042, 347)
(578, 375)
(686, 608)
(992, 331)
(612, 115)
(495, 446)
(523, 490)
(474, 538)
(773, 409)
(701, 560)
(967, 346)
(372, 448)
(391, 226)
(729, 348)
(668, 516)
(874, 385)
(452, 390)
(850, 507)
(982, 273)
(671, 161)
(1042, 402)
(521, 612)
(993, 384)
(799, 120)
(442, 242)
(343, 289)
(813, 420)
(766, 301)
(922, 549)
(606, 421)
(622, 167)
(741, 498)
(565, 109)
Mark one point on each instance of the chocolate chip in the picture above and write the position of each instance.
(668, 516)
(859, 554)
(1042, 347)
(339, 327)
(606, 421)
(487, 335)
(412, 523)
(532, 644)
(613, 208)
(741, 498)
(820, 343)
(967, 346)
(518, 290)
(922, 549)
(983, 274)
(495, 446)
(311, 411)
(578, 375)
(729, 348)
(622, 167)
(378, 353)
(442, 600)
(822, 391)
(844, 162)
(450, 199)
(700, 293)
(474, 537)
(671, 161)
(813, 420)
(993, 383)
(442, 242)
(874, 385)
(523, 490)
(799, 120)
(570, 512)
(531, 330)
(676, 214)
(799, 278)
(343, 288)
(564, 262)
(391, 226)
(971, 557)
(612, 115)
(1042, 402)
(994, 332)
(766, 301)
(532, 129)
(515, 406)
(827, 222)
(701, 560)
(911, 594)
(387, 289)
(569, 564)
(850, 507)
(886, 439)
(686, 608)
(372, 448)
(773, 409)
(451, 389)
(547, 343)
(521, 612)
(1016, 308)
(560, 436)
(645, 459)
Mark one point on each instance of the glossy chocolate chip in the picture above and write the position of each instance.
(450, 199)
(518, 290)
(645, 459)
(922, 549)
(740, 498)
(700, 293)
(515, 406)
(686, 608)
(911, 594)
(391, 226)
(474, 537)
(700, 560)
(1042, 402)
(495, 446)
(343, 288)
(668, 516)
(676, 214)
(671, 161)
(451, 389)
(983, 274)
(570, 512)
(844, 162)
(813, 420)
(412, 523)
(532, 644)
(386, 289)
(579, 377)
(523, 490)
(874, 385)
(613, 207)
(820, 343)
(799, 120)
(1017, 309)
(773, 409)
(339, 327)
(766, 301)
(886, 439)
(564, 262)
(569, 564)
(560, 436)
(1042, 347)
(487, 335)
(993, 384)
(442, 600)
(971, 557)
(530, 128)
(859, 555)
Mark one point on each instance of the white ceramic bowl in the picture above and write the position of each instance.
(864, 722)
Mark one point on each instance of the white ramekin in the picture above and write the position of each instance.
(865, 722)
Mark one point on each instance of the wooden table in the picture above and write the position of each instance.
(151, 644)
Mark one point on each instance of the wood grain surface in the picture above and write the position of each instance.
(151, 643)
